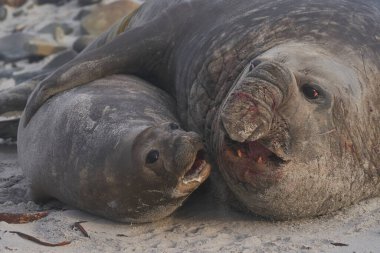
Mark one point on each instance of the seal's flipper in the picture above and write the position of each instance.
(136, 49)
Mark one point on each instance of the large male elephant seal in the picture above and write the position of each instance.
(113, 148)
(286, 93)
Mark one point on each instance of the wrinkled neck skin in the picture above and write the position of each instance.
(283, 154)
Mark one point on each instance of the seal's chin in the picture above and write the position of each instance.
(252, 162)
(194, 175)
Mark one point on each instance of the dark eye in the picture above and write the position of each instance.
(152, 156)
(173, 126)
(311, 92)
(254, 64)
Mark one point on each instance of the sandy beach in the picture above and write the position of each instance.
(203, 224)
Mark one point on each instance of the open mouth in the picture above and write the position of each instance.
(252, 165)
(252, 162)
(256, 152)
(196, 173)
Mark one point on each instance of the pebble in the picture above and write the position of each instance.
(8, 129)
(53, 27)
(12, 47)
(88, 2)
(18, 46)
(103, 16)
(39, 47)
(3, 13)
(18, 13)
(6, 73)
(81, 14)
(14, 3)
(57, 30)
(56, 2)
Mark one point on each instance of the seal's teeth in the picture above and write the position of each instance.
(195, 174)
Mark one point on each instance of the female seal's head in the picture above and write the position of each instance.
(166, 165)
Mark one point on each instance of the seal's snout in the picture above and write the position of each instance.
(249, 108)
(192, 165)
(256, 139)
(194, 173)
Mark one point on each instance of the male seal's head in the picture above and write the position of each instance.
(163, 165)
(298, 133)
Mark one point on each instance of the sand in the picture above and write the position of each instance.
(202, 224)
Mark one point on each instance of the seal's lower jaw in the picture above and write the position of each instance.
(252, 163)
(196, 174)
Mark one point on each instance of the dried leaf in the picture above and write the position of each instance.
(79, 226)
(339, 244)
(33, 239)
(121, 235)
(21, 218)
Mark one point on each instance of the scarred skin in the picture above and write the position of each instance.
(285, 93)
(112, 148)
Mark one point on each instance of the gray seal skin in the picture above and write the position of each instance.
(112, 148)
(285, 93)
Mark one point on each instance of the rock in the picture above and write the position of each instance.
(18, 46)
(56, 2)
(18, 13)
(6, 73)
(3, 12)
(12, 47)
(88, 2)
(19, 28)
(8, 127)
(82, 13)
(82, 42)
(39, 47)
(13, 3)
(103, 16)
(53, 27)
(57, 30)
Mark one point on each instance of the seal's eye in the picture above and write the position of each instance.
(152, 156)
(254, 64)
(173, 126)
(310, 91)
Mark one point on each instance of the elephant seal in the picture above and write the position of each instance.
(113, 148)
(285, 93)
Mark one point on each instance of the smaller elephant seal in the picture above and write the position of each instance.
(113, 148)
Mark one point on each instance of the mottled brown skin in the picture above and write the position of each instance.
(285, 93)
(112, 148)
